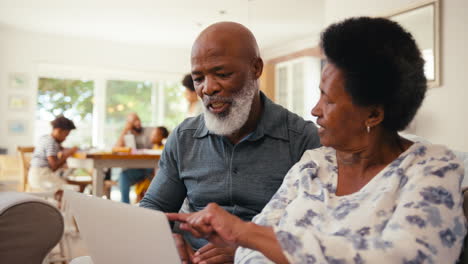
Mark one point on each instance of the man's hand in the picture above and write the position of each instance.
(128, 127)
(211, 254)
(185, 250)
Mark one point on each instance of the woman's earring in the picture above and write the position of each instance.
(368, 129)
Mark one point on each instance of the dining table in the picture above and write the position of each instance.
(101, 161)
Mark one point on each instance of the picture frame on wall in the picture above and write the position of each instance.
(17, 127)
(18, 102)
(18, 81)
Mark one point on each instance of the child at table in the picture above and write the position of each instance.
(157, 137)
(49, 158)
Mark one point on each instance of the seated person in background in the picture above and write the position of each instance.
(157, 136)
(129, 177)
(195, 105)
(368, 195)
(239, 150)
(49, 157)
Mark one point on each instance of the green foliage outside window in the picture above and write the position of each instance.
(75, 100)
(72, 98)
(123, 97)
(175, 104)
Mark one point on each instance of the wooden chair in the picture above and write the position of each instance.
(10, 179)
(25, 154)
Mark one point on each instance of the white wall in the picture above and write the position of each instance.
(23, 51)
(443, 116)
(441, 119)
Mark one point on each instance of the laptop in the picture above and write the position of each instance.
(118, 233)
(129, 141)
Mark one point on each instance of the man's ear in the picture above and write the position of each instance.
(257, 67)
(376, 116)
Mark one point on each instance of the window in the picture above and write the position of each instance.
(156, 103)
(68, 97)
(175, 105)
(99, 104)
(123, 97)
(297, 85)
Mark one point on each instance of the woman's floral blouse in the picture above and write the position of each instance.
(410, 212)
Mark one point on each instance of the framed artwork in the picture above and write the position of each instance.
(17, 127)
(18, 102)
(18, 80)
(422, 20)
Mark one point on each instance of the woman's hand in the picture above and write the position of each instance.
(213, 223)
(226, 230)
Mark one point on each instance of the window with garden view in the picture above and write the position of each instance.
(156, 102)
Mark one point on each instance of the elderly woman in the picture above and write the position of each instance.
(368, 195)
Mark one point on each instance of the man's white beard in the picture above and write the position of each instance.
(236, 116)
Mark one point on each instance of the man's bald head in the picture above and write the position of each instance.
(227, 37)
(226, 65)
(131, 117)
(134, 121)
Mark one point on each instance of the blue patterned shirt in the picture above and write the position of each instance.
(410, 212)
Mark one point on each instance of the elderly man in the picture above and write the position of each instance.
(235, 154)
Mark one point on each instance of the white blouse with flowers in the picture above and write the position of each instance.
(410, 212)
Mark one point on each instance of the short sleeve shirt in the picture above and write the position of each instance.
(46, 147)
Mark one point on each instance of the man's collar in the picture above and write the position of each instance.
(202, 130)
(272, 122)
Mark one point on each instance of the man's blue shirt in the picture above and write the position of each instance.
(241, 178)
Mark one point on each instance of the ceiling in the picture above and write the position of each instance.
(173, 23)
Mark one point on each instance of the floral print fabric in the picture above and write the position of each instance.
(410, 212)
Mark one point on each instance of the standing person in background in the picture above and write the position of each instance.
(49, 157)
(129, 177)
(195, 105)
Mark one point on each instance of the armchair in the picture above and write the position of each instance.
(30, 228)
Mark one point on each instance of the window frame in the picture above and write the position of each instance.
(100, 76)
(311, 72)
